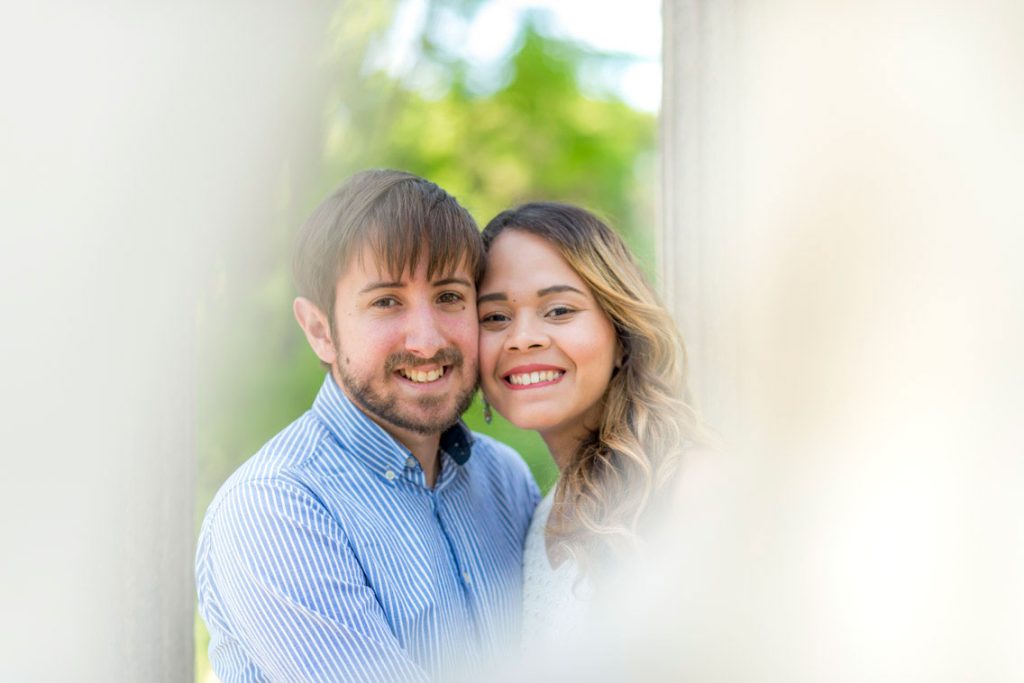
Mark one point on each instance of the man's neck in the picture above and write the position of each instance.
(424, 447)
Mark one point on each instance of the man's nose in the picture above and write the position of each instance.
(425, 334)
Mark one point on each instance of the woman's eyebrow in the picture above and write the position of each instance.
(555, 289)
(494, 296)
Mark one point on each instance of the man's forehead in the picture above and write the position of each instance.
(369, 266)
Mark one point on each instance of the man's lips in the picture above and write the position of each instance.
(531, 376)
(424, 374)
(418, 370)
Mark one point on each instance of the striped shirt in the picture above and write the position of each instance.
(325, 557)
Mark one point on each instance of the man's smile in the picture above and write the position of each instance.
(423, 376)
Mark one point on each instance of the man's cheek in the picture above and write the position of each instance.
(464, 331)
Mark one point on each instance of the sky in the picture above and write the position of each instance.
(603, 26)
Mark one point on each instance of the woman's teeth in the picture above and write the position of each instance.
(535, 377)
(421, 376)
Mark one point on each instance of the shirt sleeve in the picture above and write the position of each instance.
(294, 594)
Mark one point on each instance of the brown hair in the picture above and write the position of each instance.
(399, 216)
(610, 485)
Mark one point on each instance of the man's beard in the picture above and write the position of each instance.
(389, 408)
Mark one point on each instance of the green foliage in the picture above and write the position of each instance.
(535, 135)
(526, 132)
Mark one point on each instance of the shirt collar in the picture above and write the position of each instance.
(367, 440)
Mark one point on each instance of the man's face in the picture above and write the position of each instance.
(406, 347)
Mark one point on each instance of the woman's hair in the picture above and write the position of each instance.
(610, 485)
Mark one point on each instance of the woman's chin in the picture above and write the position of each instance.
(540, 421)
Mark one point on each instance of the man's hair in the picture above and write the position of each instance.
(400, 217)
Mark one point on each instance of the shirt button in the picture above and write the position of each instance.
(465, 577)
(389, 475)
(410, 461)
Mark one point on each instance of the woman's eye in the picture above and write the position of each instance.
(560, 311)
(494, 318)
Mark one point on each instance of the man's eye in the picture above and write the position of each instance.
(385, 302)
(450, 298)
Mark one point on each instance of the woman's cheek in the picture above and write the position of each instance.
(489, 350)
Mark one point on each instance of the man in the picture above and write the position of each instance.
(375, 538)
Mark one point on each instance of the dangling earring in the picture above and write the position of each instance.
(487, 411)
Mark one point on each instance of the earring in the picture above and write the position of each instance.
(487, 411)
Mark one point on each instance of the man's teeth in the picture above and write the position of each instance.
(421, 376)
(535, 377)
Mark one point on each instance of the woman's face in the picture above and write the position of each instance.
(547, 350)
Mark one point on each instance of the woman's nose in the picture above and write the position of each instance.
(525, 334)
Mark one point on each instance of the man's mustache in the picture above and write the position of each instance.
(447, 356)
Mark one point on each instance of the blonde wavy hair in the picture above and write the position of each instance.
(615, 481)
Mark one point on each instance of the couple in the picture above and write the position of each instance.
(376, 538)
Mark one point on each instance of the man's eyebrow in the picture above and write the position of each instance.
(494, 296)
(381, 285)
(395, 284)
(452, 281)
(555, 289)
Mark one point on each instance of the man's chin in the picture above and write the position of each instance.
(424, 414)
(433, 420)
(438, 418)
(426, 420)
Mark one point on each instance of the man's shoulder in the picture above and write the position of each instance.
(495, 453)
(499, 460)
(280, 462)
(501, 480)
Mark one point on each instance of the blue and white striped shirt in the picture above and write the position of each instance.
(325, 557)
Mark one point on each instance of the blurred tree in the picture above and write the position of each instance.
(493, 138)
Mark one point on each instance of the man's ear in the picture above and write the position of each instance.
(313, 322)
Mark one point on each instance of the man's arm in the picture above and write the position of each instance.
(293, 593)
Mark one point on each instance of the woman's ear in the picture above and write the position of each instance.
(315, 325)
(621, 354)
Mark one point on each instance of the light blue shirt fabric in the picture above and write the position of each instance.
(325, 557)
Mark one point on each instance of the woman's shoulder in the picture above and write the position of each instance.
(553, 599)
(535, 559)
(704, 490)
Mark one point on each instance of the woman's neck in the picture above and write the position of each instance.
(563, 445)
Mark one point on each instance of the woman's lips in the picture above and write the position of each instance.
(531, 376)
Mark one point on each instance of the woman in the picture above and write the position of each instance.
(574, 344)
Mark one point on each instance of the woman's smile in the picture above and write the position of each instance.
(533, 376)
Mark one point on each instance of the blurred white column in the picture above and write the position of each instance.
(134, 138)
(841, 241)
